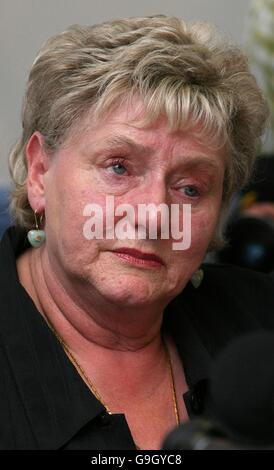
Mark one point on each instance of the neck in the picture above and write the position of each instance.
(117, 356)
(84, 318)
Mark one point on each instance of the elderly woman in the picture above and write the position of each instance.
(106, 341)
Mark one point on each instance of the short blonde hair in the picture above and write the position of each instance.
(185, 71)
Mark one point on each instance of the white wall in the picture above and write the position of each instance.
(25, 24)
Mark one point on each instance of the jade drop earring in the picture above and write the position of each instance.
(36, 237)
(197, 278)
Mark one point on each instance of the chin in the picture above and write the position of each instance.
(132, 292)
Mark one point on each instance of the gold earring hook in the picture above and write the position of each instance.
(36, 224)
(40, 220)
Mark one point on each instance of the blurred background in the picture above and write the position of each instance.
(26, 24)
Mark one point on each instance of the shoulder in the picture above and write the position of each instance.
(241, 290)
(229, 278)
(236, 282)
(230, 301)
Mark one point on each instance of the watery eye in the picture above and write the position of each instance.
(190, 191)
(119, 169)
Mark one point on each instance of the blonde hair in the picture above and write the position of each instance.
(185, 71)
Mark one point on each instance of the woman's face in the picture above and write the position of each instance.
(135, 165)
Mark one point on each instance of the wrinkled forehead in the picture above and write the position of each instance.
(125, 131)
(132, 115)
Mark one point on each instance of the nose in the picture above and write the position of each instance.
(152, 217)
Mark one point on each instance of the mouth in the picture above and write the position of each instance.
(139, 257)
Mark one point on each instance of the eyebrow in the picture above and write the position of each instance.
(122, 141)
(189, 161)
(199, 162)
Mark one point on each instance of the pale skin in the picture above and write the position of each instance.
(107, 309)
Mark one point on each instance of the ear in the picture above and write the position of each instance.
(38, 163)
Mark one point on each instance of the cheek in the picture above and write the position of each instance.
(199, 222)
(65, 204)
(203, 229)
(203, 226)
(69, 191)
(184, 263)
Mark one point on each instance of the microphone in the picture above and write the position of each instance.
(240, 412)
(198, 434)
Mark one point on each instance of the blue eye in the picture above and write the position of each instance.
(119, 169)
(191, 191)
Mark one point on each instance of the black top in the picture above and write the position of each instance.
(45, 404)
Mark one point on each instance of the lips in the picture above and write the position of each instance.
(140, 255)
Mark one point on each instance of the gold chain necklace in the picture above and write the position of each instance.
(95, 391)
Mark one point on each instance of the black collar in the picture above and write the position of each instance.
(42, 370)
